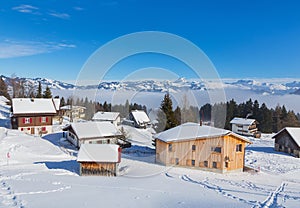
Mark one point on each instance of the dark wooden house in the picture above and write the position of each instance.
(203, 147)
(99, 159)
(33, 115)
(288, 140)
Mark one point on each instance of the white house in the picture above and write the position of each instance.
(92, 133)
(112, 117)
(73, 112)
(139, 118)
(245, 126)
(99, 159)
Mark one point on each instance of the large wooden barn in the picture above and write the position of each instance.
(99, 159)
(199, 146)
(288, 140)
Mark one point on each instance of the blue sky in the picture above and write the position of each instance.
(243, 39)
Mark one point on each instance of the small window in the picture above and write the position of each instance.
(170, 147)
(177, 161)
(214, 164)
(193, 162)
(205, 163)
(239, 147)
(43, 128)
(27, 120)
(43, 119)
(193, 147)
(226, 165)
(216, 149)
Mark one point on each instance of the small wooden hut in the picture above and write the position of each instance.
(99, 159)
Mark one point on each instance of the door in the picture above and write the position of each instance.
(32, 130)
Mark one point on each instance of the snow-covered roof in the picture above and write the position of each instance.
(73, 107)
(140, 116)
(98, 153)
(191, 131)
(293, 131)
(92, 129)
(33, 105)
(242, 121)
(106, 116)
(3, 99)
(56, 103)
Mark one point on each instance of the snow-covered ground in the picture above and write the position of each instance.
(43, 172)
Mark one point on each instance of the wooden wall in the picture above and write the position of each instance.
(203, 156)
(35, 121)
(100, 169)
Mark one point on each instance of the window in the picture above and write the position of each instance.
(176, 161)
(193, 162)
(193, 147)
(205, 163)
(216, 149)
(43, 128)
(226, 164)
(214, 164)
(239, 147)
(27, 120)
(44, 119)
(170, 147)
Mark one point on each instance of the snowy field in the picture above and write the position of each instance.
(43, 172)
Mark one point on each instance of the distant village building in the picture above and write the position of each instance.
(203, 147)
(139, 119)
(288, 140)
(92, 133)
(245, 127)
(112, 117)
(73, 112)
(99, 159)
(33, 115)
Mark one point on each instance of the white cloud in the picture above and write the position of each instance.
(78, 8)
(25, 8)
(13, 49)
(60, 15)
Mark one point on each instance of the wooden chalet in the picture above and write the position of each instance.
(139, 119)
(288, 140)
(112, 117)
(93, 133)
(245, 127)
(99, 159)
(203, 147)
(33, 115)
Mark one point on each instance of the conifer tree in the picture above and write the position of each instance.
(3, 89)
(47, 93)
(167, 109)
(39, 91)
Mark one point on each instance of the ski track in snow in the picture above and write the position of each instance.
(7, 197)
(206, 184)
(271, 201)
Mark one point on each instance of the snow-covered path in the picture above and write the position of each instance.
(42, 174)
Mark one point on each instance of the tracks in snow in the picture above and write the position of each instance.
(271, 201)
(218, 189)
(7, 196)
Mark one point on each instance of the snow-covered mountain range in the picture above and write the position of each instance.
(268, 86)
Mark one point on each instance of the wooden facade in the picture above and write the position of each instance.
(218, 154)
(99, 159)
(33, 115)
(98, 168)
(285, 142)
(36, 124)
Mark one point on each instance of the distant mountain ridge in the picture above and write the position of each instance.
(258, 86)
